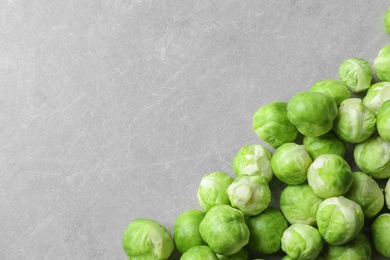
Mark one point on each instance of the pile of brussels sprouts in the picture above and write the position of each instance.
(326, 210)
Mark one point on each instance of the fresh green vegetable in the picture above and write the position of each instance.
(386, 21)
(198, 253)
(253, 160)
(290, 163)
(376, 95)
(328, 143)
(329, 176)
(224, 230)
(250, 194)
(301, 241)
(373, 157)
(271, 124)
(380, 230)
(354, 122)
(212, 190)
(356, 73)
(366, 192)
(339, 220)
(266, 230)
(312, 112)
(358, 248)
(381, 64)
(147, 239)
(299, 204)
(243, 254)
(383, 121)
(186, 230)
(334, 88)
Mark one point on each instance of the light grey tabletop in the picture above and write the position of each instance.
(113, 110)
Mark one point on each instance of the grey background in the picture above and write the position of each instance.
(113, 110)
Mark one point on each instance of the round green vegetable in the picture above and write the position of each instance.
(358, 248)
(212, 190)
(328, 143)
(186, 230)
(312, 112)
(266, 230)
(381, 64)
(339, 220)
(199, 252)
(334, 88)
(387, 193)
(366, 192)
(290, 163)
(354, 122)
(250, 194)
(329, 176)
(376, 95)
(380, 230)
(301, 241)
(224, 230)
(386, 21)
(271, 124)
(356, 73)
(383, 121)
(243, 254)
(147, 239)
(253, 160)
(373, 157)
(299, 204)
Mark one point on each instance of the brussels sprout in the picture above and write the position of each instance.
(299, 204)
(354, 122)
(328, 143)
(266, 230)
(376, 95)
(380, 230)
(373, 157)
(329, 176)
(253, 160)
(250, 194)
(243, 254)
(186, 230)
(290, 162)
(387, 193)
(334, 88)
(366, 192)
(301, 241)
(272, 126)
(358, 248)
(381, 64)
(224, 230)
(386, 21)
(212, 190)
(312, 112)
(339, 220)
(356, 73)
(199, 252)
(147, 239)
(383, 121)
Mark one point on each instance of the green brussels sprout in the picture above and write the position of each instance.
(312, 112)
(328, 143)
(329, 176)
(299, 204)
(199, 252)
(383, 121)
(186, 230)
(250, 194)
(290, 163)
(301, 241)
(366, 192)
(266, 230)
(380, 230)
(358, 248)
(243, 254)
(373, 157)
(334, 88)
(147, 239)
(376, 95)
(386, 21)
(356, 73)
(212, 190)
(253, 160)
(381, 64)
(339, 220)
(224, 230)
(387, 193)
(354, 122)
(271, 124)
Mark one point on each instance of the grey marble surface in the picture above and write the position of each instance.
(113, 110)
